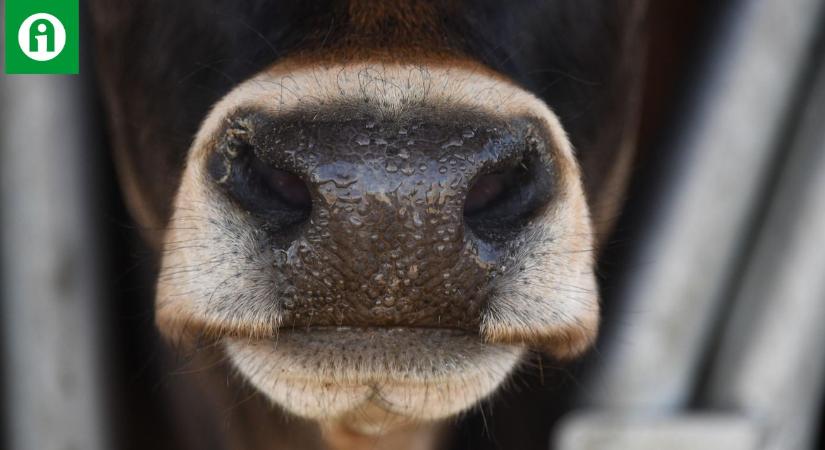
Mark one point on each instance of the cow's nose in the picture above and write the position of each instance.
(400, 222)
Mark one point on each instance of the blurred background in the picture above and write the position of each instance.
(714, 281)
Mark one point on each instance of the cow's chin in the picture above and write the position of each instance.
(374, 380)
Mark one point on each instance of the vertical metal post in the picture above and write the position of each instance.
(705, 248)
(699, 221)
(50, 285)
(771, 364)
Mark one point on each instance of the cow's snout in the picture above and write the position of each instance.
(383, 222)
(360, 237)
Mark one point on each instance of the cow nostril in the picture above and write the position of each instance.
(485, 191)
(500, 203)
(279, 197)
(281, 186)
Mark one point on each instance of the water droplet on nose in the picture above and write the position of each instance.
(408, 170)
(355, 221)
(453, 142)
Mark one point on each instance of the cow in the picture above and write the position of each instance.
(370, 215)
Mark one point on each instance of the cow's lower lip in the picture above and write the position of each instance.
(327, 373)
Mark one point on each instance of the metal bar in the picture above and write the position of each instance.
(771, 364)
(594, 431)
(695, 234)
(50, 284)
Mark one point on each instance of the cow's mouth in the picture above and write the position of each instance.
(372, 378)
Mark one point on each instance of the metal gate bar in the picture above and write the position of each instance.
(50, 285)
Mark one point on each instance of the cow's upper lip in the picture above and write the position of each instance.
(181, 329)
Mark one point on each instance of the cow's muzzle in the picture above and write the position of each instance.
(384, 222)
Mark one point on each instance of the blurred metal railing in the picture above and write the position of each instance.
(771, 365)
(708, 262)
(50, 285)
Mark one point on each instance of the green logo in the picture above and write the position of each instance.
(42, 36)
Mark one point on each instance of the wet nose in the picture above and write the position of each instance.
(384, 222)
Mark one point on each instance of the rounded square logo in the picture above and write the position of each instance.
(42, 37)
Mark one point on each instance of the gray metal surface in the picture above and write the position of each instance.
(692, 244)
(690, 432)
(771, 365)
(736, 244)
(49, 286)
